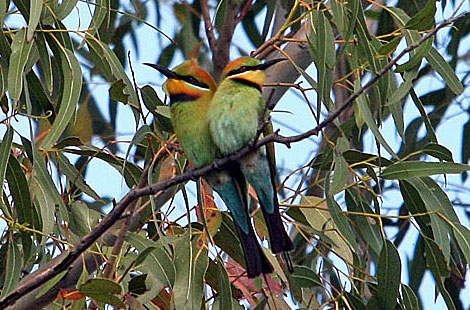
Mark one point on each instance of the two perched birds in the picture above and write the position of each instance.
(212, 122)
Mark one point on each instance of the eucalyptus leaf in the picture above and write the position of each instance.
(410, 169)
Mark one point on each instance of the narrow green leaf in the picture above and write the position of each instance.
(34, 15)
(466, 143)
(462, 236)
(116, 92)
(366, 114)
(20, 49)
(305, 75)
(157, 262)
(369, 47)
(345, 16)
(395, 99)
(354, 157)
(19, 190)
(116, 68)
(368, 226)
(412, 37)
(45, 188)
(75, 177)
(82, 218)
(341, 222)
(150, 98)
(356, 16)
(12, 268)
(251, 30)
(356, 301)
(107, 299)
(5, 149)
(101, 10)
(131, 172)
(45, 204)
(341, 173)
(5, 48)
(434, 58)
(191, 264)
(414, 203)
(388, 275)
(401, 92)
(438, 265)
(390, 47)
(45, 60)
(137, 285)
(225, 237)
(445, 294)
(409, 299)
(271, 8)
(224, 298)
(339, 15)
(82, 125)
(438, 151)
(409, 169)
(415, 60)
(322, 48)
(51, 283)
(434, 203)
(72, 77)
(102, 290)
(3, 10)
(156, 106)
(59, 12)
(139, 136)
(306, 277)
(3, 77)
(446, 207)
(445, 70)
(427, 122)
(417, 264)
(98, 286)
(435, 259)
(424, 17)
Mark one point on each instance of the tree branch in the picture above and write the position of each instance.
(46, 273)
(221, 54)
(284, 71)
(208, 25)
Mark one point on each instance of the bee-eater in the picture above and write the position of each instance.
(234, 114)
(190, 89)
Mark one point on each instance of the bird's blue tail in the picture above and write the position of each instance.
(230, 184)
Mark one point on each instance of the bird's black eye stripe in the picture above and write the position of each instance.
(239, 70)
(181, 97)
(193, 81)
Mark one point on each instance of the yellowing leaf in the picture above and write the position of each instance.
(83, 128)
(316, 212)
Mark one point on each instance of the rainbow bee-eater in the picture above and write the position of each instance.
(234, 116)
(190, 89)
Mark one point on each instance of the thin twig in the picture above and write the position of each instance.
(208, 25)
(221, 55)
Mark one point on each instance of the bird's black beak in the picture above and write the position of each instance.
(268, 63)
(164, 70)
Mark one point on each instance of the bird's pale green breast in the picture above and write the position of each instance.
(192, 130)
(234, 114)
